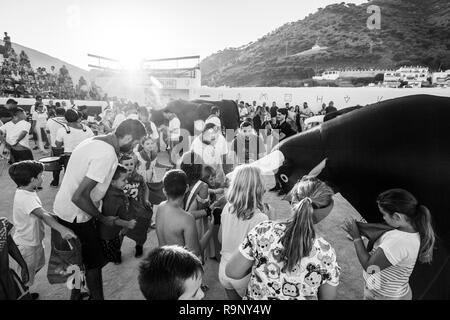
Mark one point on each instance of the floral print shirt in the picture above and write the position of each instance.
(269, 282)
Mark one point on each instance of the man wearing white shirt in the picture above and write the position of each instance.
(212, 147)
(53, 125)
(15, 134)
(174, 134)
(243, 111)
(215, 116)
(39, 118)
(120, 117)
(78, 201)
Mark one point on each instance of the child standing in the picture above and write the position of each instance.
(115, 204)
(209, 177)
(140, 207)
(395, 253)
(29, 216)
(152, 171)
(175, 226)
(148, 165)
(15, 135)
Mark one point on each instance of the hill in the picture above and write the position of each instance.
(413, 32)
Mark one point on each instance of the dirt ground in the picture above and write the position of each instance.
(120, 282)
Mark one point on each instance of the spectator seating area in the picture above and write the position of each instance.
(18, 79)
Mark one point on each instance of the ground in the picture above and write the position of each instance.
(120, 282)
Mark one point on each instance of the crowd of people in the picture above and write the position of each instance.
(18, 79)
(207, 203)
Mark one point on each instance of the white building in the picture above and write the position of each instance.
(441, 79)
(328, 76)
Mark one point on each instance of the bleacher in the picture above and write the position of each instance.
(18, 79)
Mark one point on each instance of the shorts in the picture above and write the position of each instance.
(111, 249)
(91, 245)
(21, 155)
(34, 257)
(231, 284)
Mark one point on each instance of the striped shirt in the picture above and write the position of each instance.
(401, 249)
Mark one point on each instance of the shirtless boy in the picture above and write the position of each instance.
(174, 226)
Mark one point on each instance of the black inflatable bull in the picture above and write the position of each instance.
(190, 111)
(400, 143)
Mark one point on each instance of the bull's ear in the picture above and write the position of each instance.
(315, 172)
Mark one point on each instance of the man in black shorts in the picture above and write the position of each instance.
(87, 178)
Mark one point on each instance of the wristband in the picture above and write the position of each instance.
(357, 239)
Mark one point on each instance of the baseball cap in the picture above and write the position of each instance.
(11, 101)
(214, 120)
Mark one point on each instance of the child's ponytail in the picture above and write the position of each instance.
(298, 239)
(423, 224)
(299, 236)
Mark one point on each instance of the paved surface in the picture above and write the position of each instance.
(120, 282)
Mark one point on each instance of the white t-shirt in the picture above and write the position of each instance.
(53, 126)
(29, 229)
(214, 120)
(221, 144)
(118, 120)
(155, 133)
(234, 230)
(243, 112)
(401, 249)
(210, 154)
(174, 128)
(33, 109)
(40, 118)
(94, 159)
(74, 138)
(13, 131)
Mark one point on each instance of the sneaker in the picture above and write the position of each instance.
(34, 296)
(54, 185)
(139, 251)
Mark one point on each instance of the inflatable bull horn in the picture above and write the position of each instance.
(400, 143)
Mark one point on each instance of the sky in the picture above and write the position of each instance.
(136, 29)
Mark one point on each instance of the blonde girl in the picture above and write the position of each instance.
(285, 259)
(243, 211)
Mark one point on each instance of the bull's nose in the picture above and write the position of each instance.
(270, 162)
(267, 164)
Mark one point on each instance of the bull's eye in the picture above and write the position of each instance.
(284, 178)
